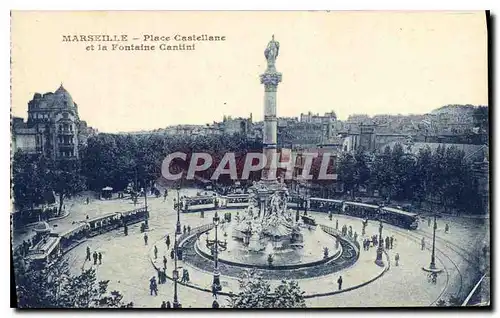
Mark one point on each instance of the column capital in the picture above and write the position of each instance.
(270, 80)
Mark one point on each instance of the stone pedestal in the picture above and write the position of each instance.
(380, 254)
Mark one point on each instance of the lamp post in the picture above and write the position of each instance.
(215, 245)
(175, 274)
(432, 266)
(380, 249)
(178, 230)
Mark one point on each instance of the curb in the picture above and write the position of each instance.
(386, 268)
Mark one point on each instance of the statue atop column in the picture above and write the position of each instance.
(271, 52)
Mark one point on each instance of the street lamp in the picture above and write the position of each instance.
(380, 249)
(432, 266)
(178, 230)
(214, 246)
(175, 274)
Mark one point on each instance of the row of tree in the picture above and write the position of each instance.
(441, 177)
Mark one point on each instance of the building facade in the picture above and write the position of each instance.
(53, 127)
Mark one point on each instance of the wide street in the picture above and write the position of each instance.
(127, 261)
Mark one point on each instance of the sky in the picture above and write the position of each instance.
(348, 62)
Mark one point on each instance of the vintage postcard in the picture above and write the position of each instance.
(271, 159)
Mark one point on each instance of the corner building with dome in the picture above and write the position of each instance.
(53, 127)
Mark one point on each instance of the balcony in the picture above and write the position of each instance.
(65, 132)
(66, 145)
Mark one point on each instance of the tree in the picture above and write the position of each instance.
(29, 180)
(255, 292)
(383, 177)
(55, 287)
(65, 179)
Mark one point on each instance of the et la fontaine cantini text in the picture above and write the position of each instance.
(144, 42)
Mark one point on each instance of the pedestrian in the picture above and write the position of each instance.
(396, 258)
(189, 229)
(167, 241)
(94, 256)
(163, 304)
(164, 275)
(214, 291)
(88, 254)
(164, 262)
(387, 243)
(337, 224)
(99, 256)
(184, 229)
(125, 230)
(87, 217)
(355, 236)
(423, 243)
(392, 241)
(88, 200)
(156, 252)
(339, 281)
(187, 276)
(158, 272)
(165, 195)
(153, 288)
(215, 304)
(172, 254)
(446, 228)
(168, 304)
(145, 239)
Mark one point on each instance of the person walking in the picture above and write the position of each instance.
(339, 281)
(163, 304)
(156, 252)
(158, 273)
(167, 241)
(184, 230)
(145, 239)
(153, 288)
(99, 256)
(125, 230)
(164, 262)
(214, 291)
(446, 228)
(422, 244)
(94, 256)
(215, 304)
(87, 258)
(392, 241)
(168, 304)
(396, 258)
(189, 229)
(172, 254)
(337, 224)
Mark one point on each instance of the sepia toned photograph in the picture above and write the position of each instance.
(250, 159)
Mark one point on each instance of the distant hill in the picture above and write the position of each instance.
(450, 109)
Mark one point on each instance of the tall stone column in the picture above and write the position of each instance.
(271, 78)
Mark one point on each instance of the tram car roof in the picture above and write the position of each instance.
(74, 229)
(200, 197)
(101, 217)
(362, 204)
(400, 211)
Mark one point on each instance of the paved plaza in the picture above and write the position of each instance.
(129, 264)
